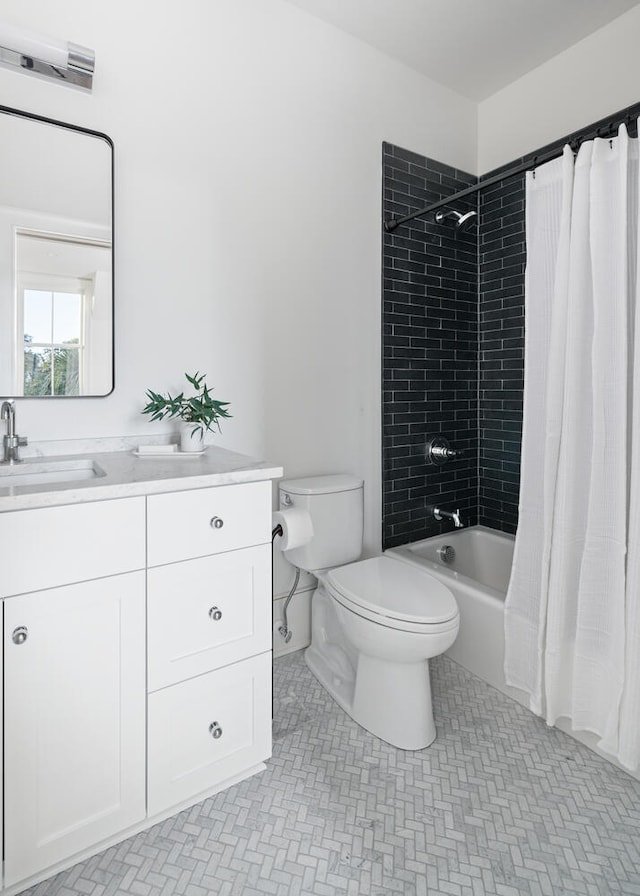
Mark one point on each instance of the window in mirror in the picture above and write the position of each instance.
(54, 340)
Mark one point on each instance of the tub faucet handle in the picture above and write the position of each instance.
(439, 451)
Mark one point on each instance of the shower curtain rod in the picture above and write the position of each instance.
(393, 223)
(602, 128)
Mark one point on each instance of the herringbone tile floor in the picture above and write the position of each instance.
(499, 805)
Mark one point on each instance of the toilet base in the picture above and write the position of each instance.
(391, 700)
(406, 724)
(339, 687)
(406, 721)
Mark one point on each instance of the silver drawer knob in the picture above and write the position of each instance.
(20, 634)
(216, 522)
(215, 614)
(215, 730)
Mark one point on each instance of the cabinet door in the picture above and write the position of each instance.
(75, 710)
(207, 613)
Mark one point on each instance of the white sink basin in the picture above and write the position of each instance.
(38, 472)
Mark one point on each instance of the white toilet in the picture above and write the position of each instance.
(375, 623)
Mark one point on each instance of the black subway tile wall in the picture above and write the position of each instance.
(501, 256)
(430, 350)
(453, 342)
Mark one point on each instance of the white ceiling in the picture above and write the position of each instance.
(475, 47)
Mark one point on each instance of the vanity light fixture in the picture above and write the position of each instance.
(65, 62)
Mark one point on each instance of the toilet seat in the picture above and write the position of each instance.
(393, 593)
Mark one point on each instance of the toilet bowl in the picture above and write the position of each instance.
(376, 623)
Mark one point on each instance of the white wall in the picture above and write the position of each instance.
(594, 78)
(248, 158)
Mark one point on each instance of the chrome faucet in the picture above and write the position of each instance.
(11, 442)
(455, 518)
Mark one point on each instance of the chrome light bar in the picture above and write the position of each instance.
(65, 62)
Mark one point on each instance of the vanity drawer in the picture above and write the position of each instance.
(53, 546)
(206, 730)
(206, 613)
(205, 521)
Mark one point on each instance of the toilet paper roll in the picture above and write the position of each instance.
(297, 528)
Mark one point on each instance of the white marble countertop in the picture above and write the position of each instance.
(121, 474)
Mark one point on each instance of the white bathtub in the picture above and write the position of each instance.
(478, 578)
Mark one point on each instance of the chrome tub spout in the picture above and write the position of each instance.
(440, 514)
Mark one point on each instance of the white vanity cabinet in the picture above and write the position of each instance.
(137, 664)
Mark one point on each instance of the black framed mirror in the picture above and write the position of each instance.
(56, 259)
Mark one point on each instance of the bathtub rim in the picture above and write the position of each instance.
(446, 574)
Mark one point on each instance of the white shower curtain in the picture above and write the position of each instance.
(572, 616)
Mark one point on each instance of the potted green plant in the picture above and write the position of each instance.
(198, 414)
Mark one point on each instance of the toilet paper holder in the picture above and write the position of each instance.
(296, 528)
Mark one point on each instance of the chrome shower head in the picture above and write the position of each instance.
(462, 220)
(466, 220)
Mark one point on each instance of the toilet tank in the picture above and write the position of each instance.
(335, 504)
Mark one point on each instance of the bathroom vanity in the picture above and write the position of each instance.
(136, 648)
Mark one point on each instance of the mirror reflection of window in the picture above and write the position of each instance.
(54, 340)
(63, 315)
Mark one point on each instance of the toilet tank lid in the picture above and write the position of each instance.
(321, 485)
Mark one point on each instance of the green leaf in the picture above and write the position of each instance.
(200, 409)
